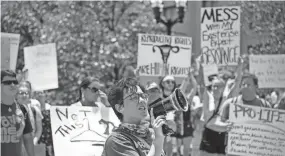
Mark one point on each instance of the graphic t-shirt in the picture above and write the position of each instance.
(11, 117)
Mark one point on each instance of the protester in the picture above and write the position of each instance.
(212, 141)
(167, 86)
(17, 129)
(90, 94)
(133, 136)
(185, 138)
(249, 85)
(46, 137)
(24, 98)
(155, 95)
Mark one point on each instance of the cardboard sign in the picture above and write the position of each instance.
(220, 35)
(209, 70)
(80, 131)
(159, 52)
(257, 131)
(41, 62)
(9, 50)
(269, 69)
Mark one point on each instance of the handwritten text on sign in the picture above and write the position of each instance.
(10, 50)
(220, 35)
(257, 131)
(158, 52)
(38, 59)
(269, 69)
(79, 127)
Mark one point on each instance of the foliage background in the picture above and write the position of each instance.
(99, 38)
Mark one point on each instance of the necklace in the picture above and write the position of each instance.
(9, 107)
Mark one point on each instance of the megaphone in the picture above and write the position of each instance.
(175, 102)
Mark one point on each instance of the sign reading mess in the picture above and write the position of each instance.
(220, 35)
(159, 52)
(9, 50)
(257, 131)
(78, 127)
(270, 70)
(38, 59)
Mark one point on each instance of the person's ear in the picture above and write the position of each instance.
(119, 108)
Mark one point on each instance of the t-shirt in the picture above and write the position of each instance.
(11, 117)
(124, 144)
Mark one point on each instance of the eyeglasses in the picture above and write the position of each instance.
(9, 82)
(136, 96)
(23, 93)
(93, 89)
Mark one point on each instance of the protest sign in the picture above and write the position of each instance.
(220, 35)
(9, 49)
(78, 127)
(209, 70)
(41, 62)
(159, 52)
(269, 69)
(257, 131)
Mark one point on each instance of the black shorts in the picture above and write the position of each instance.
(213, 142)
(188, 131)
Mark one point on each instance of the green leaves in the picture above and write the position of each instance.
(95, 38)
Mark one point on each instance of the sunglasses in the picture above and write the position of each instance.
(136, 96)
(169, 82)
(153, 90)
(93, 89)
(9, 82)
(23, 93)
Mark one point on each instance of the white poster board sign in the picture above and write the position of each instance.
(11, 47)
(257, 131)
(155, 51)
(220, 35)
(41, 62)
(79, 131)
(269, 69)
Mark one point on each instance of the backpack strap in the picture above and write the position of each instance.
(215, 111)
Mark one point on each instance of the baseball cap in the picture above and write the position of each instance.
(168, 78)
(151, 86)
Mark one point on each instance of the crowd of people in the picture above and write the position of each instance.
(201, 130)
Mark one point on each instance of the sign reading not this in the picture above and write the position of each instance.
(79, 131)
(220, 35)
(257, 131)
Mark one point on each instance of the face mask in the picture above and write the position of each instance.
(248, 94)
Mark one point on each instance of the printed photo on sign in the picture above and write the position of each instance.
(77, 127)
(220, 35)
(269, 70)
(256, 131)
(159, 54)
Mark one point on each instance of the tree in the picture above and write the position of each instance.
(96, 38)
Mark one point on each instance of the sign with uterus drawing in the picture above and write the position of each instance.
(160, 55)
(80, 131)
